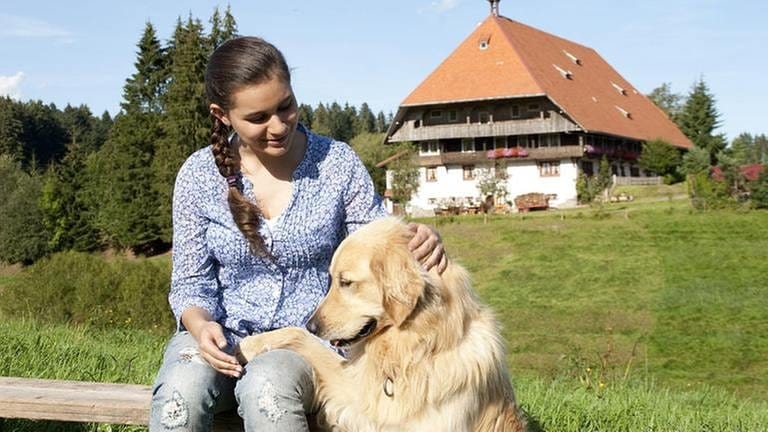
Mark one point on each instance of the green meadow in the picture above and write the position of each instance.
(642, 316)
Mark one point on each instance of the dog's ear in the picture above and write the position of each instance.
(400, 278)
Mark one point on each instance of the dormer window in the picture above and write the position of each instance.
(565, 73)
(619, 88)
(624, 112)
(572, 58)
(484, 42)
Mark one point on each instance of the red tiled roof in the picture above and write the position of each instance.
(522, 61)
(750, 172)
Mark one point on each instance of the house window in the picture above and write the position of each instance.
(515, 111)
(483, 143)
(429, 148)
(467, 145)
(500, 142)
(533, 107)
(452, 115)
(549, 168)
(483, 117)
(431, 174)
(550, 140)
(533, 141)
(469, 172)
(436, 114)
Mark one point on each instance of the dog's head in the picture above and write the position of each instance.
(375, 283)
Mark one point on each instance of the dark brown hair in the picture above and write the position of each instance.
(235, 64)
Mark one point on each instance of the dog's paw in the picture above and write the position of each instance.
(252, 346)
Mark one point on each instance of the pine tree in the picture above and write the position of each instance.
(66, 213)
(186, 124)
(381, 122)
(121, 191)
(306, 115)
(741, 149)
(23, 238)
(221, 29)
(230, 25)
(760, 150)
(44, 137)
(11, 130)
(143, 90)
(365, 122)
(699, 119)
(340, 122)
(215, 37)
(321, 120)
(81, 128)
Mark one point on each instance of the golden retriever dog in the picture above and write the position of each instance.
(422, 354)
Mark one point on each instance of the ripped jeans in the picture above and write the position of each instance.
(273, 394)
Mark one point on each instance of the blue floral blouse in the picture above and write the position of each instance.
(213, 268)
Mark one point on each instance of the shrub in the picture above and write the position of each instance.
(758, 190)
(75, 287)
(707, 193)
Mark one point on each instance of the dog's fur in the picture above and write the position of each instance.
(433, 360)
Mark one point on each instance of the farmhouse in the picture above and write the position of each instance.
(525, 106)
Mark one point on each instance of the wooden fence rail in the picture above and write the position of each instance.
(637, 181)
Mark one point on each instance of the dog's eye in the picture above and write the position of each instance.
(344, 283)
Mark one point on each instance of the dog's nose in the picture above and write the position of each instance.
(312, 327)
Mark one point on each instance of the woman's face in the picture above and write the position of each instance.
(264, 116)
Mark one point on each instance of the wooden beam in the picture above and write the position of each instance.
(74, 401)
(87, 402)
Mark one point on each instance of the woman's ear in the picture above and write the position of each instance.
(219, 113)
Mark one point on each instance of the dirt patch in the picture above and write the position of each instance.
(10, 269)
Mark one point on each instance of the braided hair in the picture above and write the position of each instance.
(235, 64)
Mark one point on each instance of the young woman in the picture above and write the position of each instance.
(257, 216)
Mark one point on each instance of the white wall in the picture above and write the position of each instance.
(522, 177)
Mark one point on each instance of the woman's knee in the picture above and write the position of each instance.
(278, 373)
(187, 391)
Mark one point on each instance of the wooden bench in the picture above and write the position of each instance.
(78, 401)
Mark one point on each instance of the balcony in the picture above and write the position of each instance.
(480, 157)
(550, 123)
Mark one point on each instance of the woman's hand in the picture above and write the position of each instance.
(211, 341)
(427, 247)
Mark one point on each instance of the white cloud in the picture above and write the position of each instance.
(11, 85)
(445, 5)
(12, 26)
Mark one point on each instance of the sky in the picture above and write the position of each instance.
(81, 52)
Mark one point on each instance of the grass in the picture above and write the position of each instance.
(650, 289)
(641, 316)
(561, 404)
(653, 192)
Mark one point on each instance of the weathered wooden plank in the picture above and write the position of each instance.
(76, 401)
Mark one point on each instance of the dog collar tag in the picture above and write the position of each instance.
(389, 387)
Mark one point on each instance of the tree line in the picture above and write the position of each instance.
(70, 180)
(713, 168)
